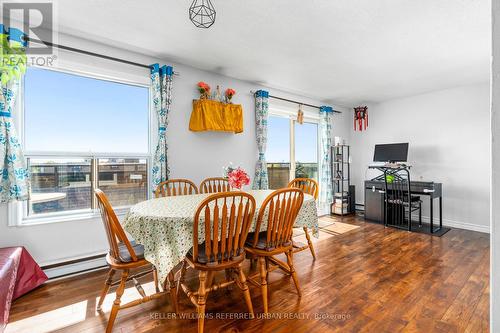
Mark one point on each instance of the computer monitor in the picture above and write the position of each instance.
(392, 152)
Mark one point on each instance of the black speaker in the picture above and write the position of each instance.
(352, 199)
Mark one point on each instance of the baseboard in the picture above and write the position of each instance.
(80, 266)
(457, 224)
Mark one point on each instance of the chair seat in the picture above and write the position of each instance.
(261, 243)
(203, 258)
(125, 255)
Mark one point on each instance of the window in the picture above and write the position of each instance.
(291, 141)
(82, 133)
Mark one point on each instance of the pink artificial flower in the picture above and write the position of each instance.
(238, 178)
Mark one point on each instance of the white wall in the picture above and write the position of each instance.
(495, 173)
(191, 155)
(448, 132)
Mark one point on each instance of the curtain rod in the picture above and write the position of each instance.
(98, 55)
(295, 102)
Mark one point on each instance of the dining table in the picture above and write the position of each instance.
(164, 226)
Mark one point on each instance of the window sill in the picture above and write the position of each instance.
(75, 217)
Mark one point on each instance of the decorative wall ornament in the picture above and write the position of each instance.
(300, 115)
(212, 115)
(202, 13)
(360, 118)
(204, 90)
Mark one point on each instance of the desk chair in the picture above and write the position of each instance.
(399, 204)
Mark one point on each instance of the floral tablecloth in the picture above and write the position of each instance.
(165, 226)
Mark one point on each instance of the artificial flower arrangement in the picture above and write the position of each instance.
(236, 176)
(204, 90)
(229, 94)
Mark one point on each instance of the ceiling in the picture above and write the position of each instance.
(342, 51)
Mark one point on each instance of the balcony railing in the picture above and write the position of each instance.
(66, 185)
(279, 173)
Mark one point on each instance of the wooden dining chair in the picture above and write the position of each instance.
(308, 186)
(174, 187)
(277, 214)
(215, 185)
(125, 255)
(224, 219)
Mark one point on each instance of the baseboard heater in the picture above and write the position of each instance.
(75, 266)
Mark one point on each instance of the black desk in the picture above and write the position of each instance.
(374, 200)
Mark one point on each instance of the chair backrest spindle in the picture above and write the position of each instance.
(308, 185)
(175, 187)
(215, 185)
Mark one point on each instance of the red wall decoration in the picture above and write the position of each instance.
(360, 118)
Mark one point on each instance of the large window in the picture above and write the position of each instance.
(292, 150)
(83, 133)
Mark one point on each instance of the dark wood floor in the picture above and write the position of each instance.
(370, 279)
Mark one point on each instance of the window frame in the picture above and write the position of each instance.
(18, 211)
(308, 118)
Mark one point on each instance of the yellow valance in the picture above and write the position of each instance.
(209, 115)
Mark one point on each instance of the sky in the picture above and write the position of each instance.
(278, 141)
(70, 113)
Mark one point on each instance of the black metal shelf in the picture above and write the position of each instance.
(341, 176)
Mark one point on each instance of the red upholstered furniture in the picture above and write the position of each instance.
(19, 273)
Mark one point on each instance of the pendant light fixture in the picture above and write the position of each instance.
(202, 13)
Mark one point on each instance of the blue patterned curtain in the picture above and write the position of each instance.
(260, 181)
(15, 183)
(326, 142)
(161, 84)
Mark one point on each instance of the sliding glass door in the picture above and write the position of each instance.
(292, 150)
(278, 151)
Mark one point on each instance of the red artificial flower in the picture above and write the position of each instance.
(230, 92)
(238, 178)
(203, 87)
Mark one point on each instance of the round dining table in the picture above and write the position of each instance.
(164, 226)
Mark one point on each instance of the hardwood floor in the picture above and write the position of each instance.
(371, 279)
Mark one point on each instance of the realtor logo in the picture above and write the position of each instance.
(36, 20)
